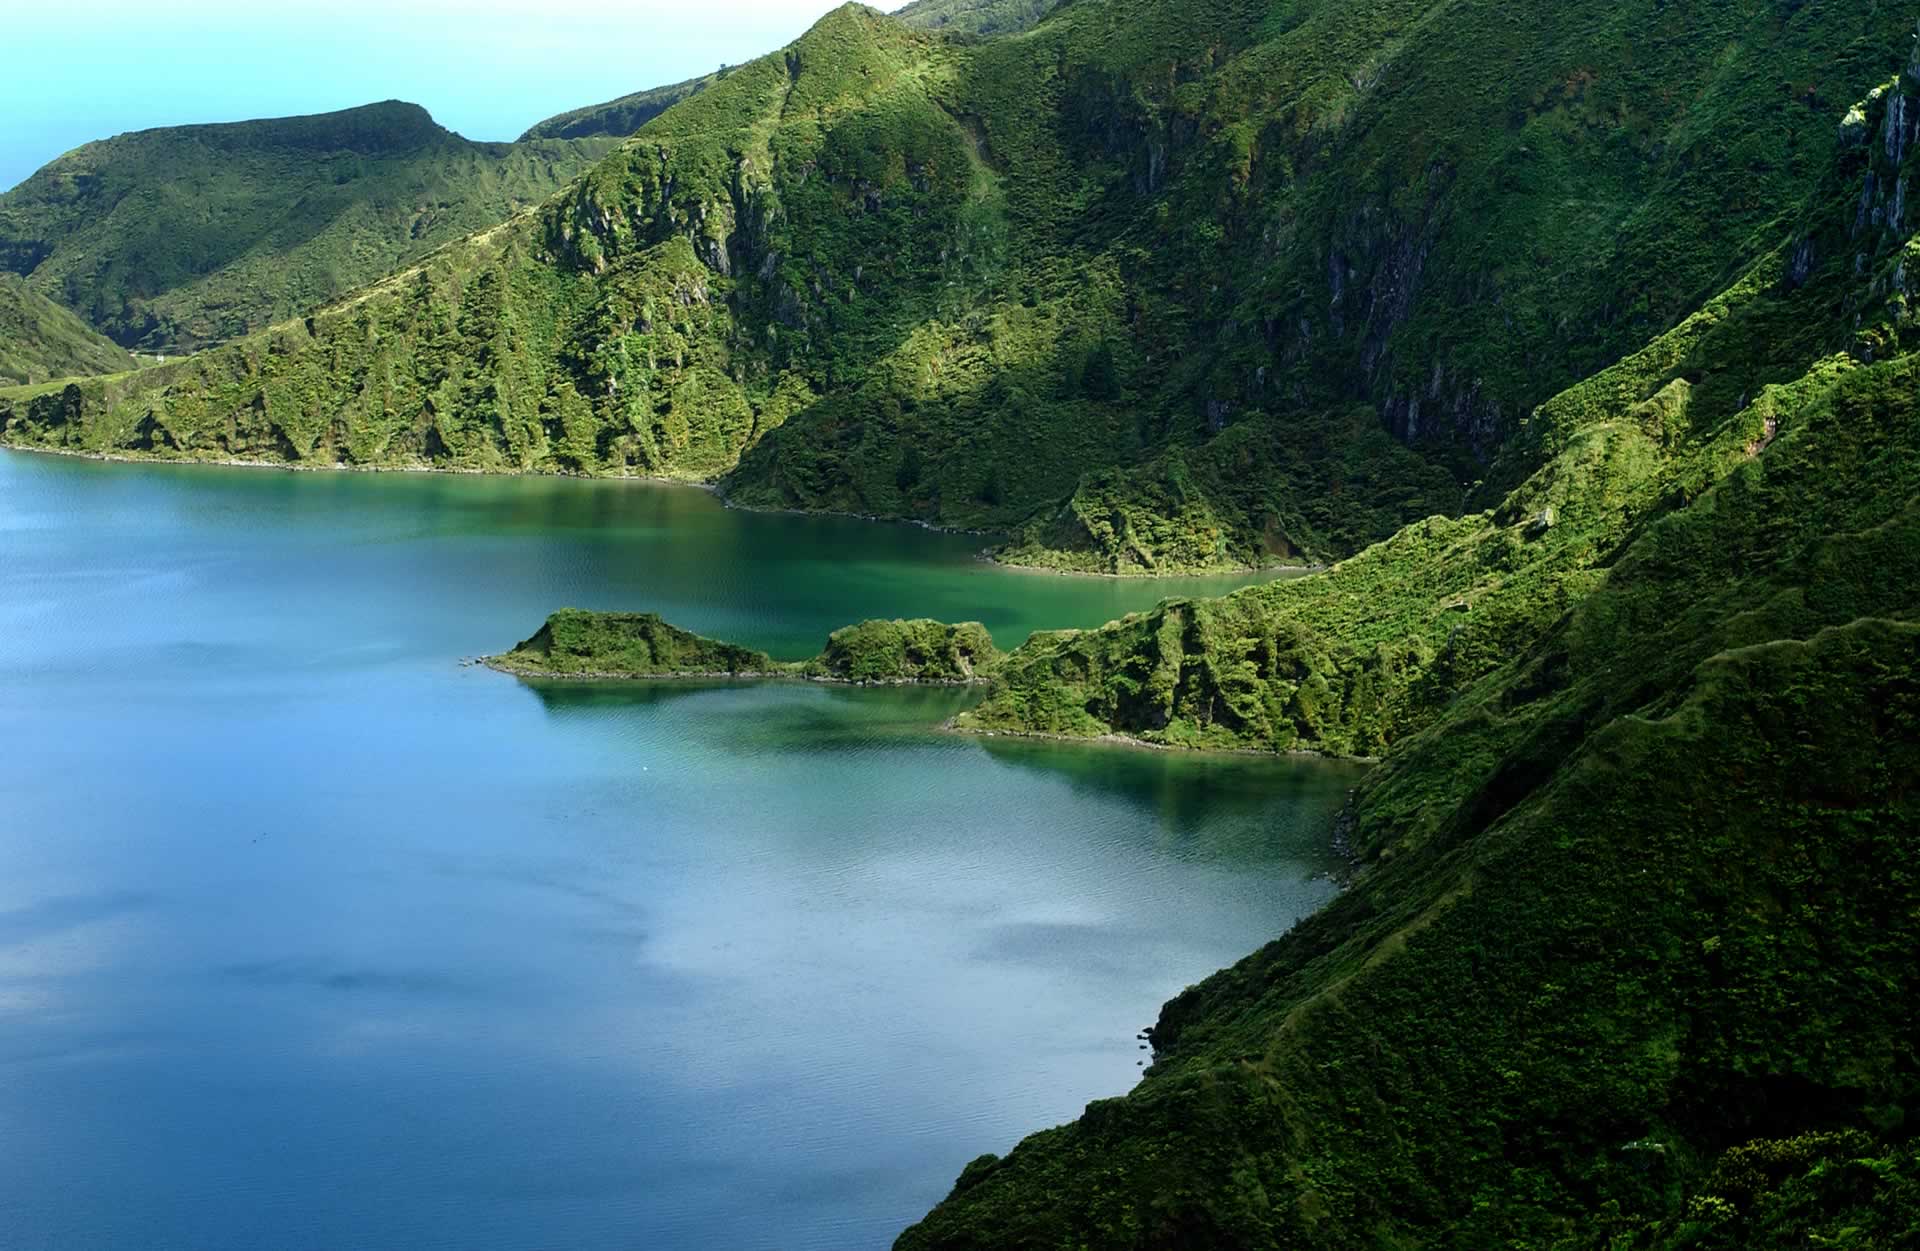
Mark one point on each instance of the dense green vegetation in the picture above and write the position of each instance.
(617, 118)
(40, 340)
(1630, 959)
(907, 651)
(167, 240)
(976, 17)
(620, 118)
(580, 644)
(1142, 285)
(574, 643)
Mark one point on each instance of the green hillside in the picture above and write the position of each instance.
(40, 340)
(1151, 290)
(617, 118)
(975, 17)
(1630, 960)
(167, 240)
(620, 118)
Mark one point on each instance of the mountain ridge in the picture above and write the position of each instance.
(174, 238)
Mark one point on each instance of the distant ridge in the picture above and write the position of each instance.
(618, 118)
(174, 238)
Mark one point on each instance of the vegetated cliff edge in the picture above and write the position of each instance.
(1633, 951)
(604, 645)
(1153, 286)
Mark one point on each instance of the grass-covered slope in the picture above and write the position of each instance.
(1631, 957)
(40, 340)
(578, 644)
(1143, 284)
(617, 118)
(170, 239)
(620, 118)
(658, 317)
(975, 17)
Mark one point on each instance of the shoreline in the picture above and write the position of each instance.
(949, 726)
(1111, 739)
(500, 665)
(985, 554)
(1233, 571)
(238, 462)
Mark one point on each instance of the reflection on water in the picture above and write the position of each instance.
(311, 937)
(1243, 807)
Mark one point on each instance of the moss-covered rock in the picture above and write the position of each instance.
(907, 652)
(578, 644)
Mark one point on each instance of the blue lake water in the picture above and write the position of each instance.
(311, 937)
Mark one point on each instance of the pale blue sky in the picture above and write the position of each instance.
(84, 69)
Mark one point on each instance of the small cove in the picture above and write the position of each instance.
(311, 937)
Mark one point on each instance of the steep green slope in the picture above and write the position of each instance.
(975, 17)
(1631, 958)
(1143, 284)
(40, 340)
(170, 239)
(1225, 215)
(617, 118)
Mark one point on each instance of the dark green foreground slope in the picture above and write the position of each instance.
(1633, 955)
(1153, 286)
(170, 239)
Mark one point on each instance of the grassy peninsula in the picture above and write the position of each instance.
(608, 645)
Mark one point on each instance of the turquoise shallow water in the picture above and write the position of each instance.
(312, 938)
